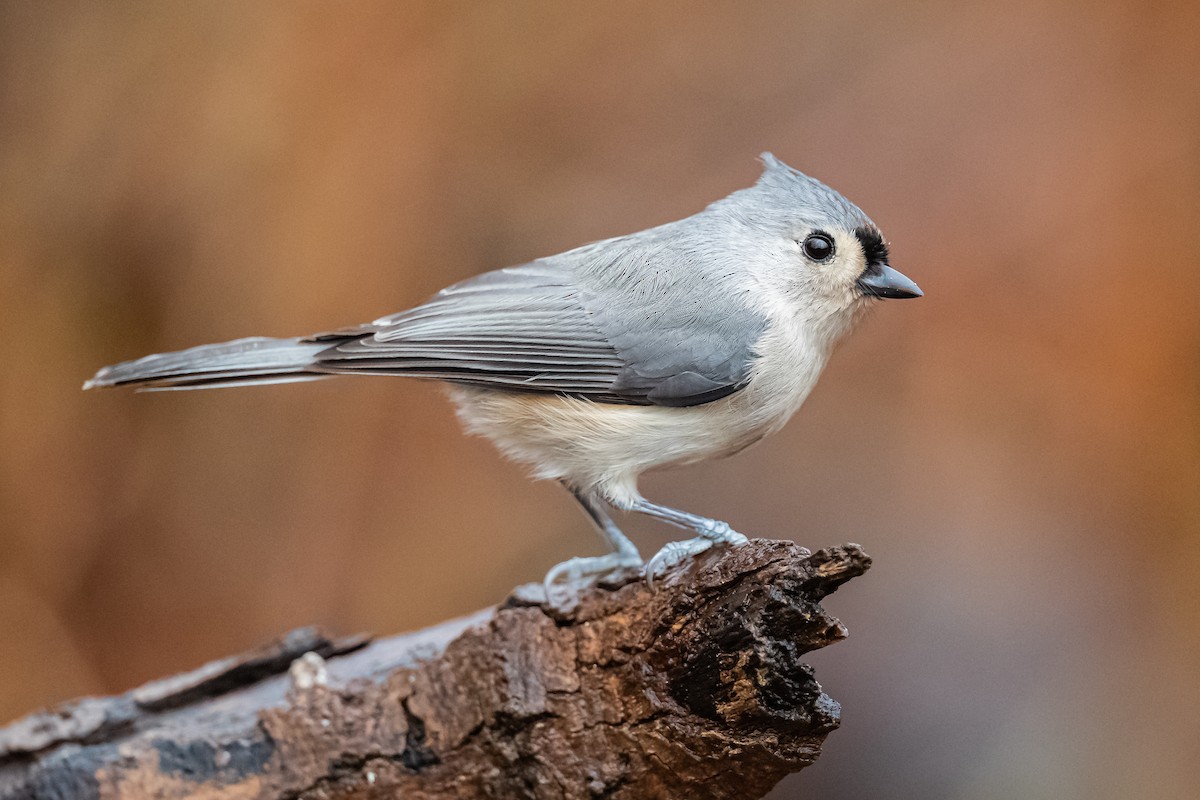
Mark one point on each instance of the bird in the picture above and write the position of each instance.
(684, 342)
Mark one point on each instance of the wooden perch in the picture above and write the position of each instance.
(692, 690)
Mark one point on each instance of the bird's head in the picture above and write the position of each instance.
(825, 259)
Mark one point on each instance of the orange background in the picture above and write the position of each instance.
(1019, 451)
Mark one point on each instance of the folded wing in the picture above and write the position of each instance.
(533, 328)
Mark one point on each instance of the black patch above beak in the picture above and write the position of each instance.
(880, 280)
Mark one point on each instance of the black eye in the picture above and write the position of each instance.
(818, 246)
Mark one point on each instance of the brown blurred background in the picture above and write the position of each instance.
(1020, 450)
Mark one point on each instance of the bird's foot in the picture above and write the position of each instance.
(576, 572)
(676, 552)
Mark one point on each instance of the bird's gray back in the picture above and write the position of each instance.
(649, 318)
(674, 305)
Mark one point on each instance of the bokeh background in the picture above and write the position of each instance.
(1019, 451)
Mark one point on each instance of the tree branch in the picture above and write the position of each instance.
(693, 689)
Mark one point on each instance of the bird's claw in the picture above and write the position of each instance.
(573, 571)
(676, 552)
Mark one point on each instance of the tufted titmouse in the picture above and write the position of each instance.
(680, 343)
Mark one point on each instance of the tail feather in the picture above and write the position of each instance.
(243, 361)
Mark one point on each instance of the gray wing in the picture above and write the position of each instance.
(534, 328)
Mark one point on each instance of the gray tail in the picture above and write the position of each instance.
(257, 360)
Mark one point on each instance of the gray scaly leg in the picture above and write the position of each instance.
(624, 553)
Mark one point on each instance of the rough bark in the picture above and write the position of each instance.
(693, 689)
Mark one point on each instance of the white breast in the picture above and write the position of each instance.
(605, 447)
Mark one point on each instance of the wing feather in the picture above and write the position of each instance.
(537, 328)
(522, 328)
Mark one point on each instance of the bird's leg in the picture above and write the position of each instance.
(710, 532)
(624, 553)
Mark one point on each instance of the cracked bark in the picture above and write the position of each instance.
(693, 690)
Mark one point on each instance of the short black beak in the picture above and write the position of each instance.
(880, 280)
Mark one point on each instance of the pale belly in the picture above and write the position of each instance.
(604, 447)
